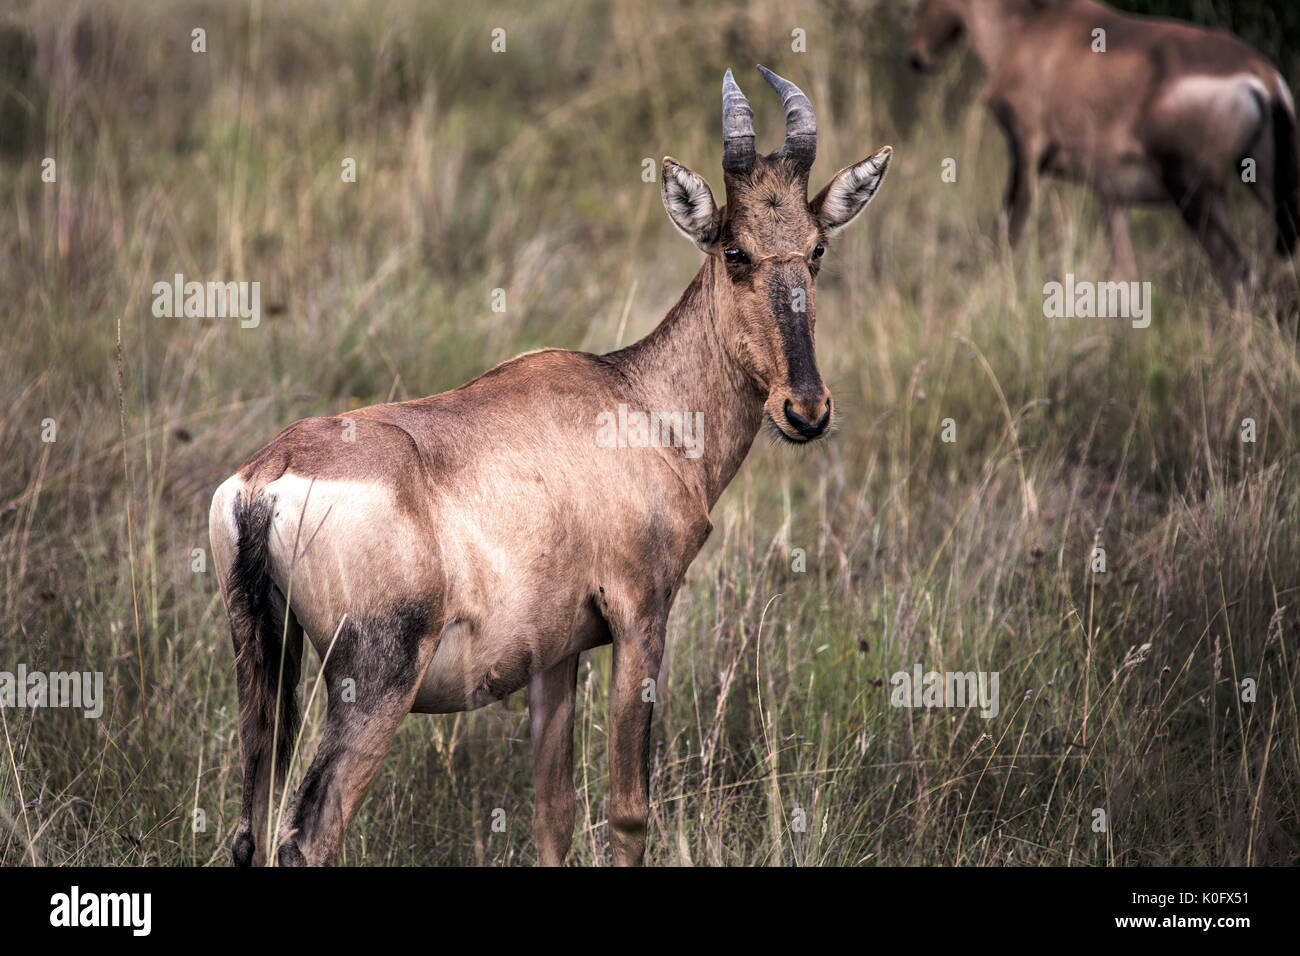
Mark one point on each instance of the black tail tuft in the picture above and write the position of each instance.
(257, 625)
(1286, 178)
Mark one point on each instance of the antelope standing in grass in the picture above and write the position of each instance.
(463, 546)
(1168, 111)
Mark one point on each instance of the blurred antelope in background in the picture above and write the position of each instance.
(1169, 111)
(441, 554)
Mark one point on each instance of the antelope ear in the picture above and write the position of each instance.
(690, 204)
(849, 191)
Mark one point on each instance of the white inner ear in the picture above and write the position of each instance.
(851, 191)
(689, 203)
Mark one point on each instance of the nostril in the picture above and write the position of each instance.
(825, 419)
(914, 60)
(803, 426)
(795, 419)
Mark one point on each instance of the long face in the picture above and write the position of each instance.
(771, 247)
(938, 24)
(768, 242)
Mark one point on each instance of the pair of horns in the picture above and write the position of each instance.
(800, 145)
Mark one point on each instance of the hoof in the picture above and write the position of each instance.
(290, 855)
(241, 853)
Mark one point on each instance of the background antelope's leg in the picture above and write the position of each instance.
(1123, 264)
(1019, 197)
(638, 652)
(550, 707)
(1202, 205)
(387, 669)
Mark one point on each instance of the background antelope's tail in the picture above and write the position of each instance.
(257, 623)
(1286, 173)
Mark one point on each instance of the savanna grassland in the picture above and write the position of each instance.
(1120, 691)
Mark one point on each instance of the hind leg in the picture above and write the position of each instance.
(385, 660)
(1226, 257)
(1200, 200)
(253, 834)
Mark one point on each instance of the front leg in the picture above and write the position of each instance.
(638, 652)
(550, 707)
(1019, 198)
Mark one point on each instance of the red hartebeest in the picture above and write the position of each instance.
(463, 546)
(1140, 108)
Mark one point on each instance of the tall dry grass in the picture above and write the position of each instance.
(522, 171)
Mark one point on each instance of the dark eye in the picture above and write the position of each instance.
(819, 251)
(736, 257)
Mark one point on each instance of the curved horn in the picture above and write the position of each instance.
(737, 128)
(800, 124)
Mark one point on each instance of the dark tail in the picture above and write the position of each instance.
(257, 624)
(1286, 178)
